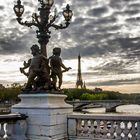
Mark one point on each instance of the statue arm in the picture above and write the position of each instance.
(26, 65)
(64, 67)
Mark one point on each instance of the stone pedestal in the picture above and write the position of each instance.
(47, 115)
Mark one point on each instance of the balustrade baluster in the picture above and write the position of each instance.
(111, 130)
(133, 130)
(85, 128)
(138, 130)
(2, 130)
(101, 128)
(80, 128)
(122, 127)
(104, 130)
(98, 129)
(126, 130)
(118, 130)
(91, 128)
(5, 126)
(95, 124)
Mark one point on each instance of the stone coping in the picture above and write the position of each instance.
(12, 116)
(120, 117)
(42, 95)
(41, 92)
(42, 101)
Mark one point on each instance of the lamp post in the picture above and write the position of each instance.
(44, 21)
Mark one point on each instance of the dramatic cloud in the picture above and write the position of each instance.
(105, 32)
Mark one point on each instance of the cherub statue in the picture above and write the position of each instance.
(56, 66)
(38, 74)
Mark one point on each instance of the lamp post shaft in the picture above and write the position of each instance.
(42, 33)
(43, 47)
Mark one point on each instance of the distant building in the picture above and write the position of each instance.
(98, 90)
(79, 81)
(84, 85)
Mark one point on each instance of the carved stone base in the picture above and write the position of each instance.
(47, 115)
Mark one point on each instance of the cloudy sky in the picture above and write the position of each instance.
(105, 32)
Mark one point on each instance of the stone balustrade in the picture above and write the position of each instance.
(13, 127)
(103, 127)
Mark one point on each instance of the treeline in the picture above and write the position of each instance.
(11, 93)
(86, 94)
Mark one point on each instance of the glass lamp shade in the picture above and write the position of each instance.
(38, 19)
(67, 13)
(19, 10)
(48, 2)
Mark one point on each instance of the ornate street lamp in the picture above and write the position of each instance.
(67, 13)
(44, 21)
(19, 10)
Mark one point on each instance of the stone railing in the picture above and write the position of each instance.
(104, 127)
(13, 127)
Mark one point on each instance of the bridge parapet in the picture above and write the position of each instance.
(103, 127)
(13, 127)
(110, 105)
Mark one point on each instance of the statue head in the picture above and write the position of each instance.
(35, 49)
(57, 51)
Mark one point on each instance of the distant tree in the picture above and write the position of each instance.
(2, 86)
(75, 93)
(87, 94)
(15, 85)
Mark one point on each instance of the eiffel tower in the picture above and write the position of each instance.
(79, 75)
